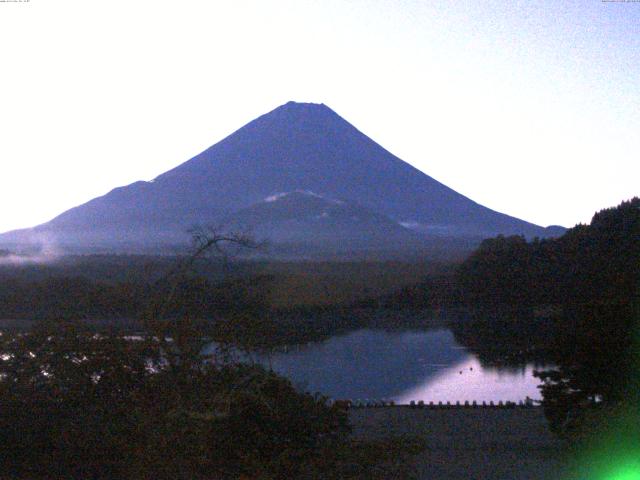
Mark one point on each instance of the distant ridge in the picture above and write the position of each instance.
(298, 147)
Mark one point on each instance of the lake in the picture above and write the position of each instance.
(426, 365)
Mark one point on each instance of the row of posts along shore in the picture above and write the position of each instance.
(527, 403)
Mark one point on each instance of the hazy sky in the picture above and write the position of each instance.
(530, 108)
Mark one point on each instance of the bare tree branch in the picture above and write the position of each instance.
(205, 241)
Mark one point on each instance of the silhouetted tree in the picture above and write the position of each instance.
(75, 403)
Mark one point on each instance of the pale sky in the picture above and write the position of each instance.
(530, 108)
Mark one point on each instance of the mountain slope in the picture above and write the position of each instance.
(296, 147)
(306, 218)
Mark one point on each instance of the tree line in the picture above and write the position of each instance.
(594, 264)
(590, 279)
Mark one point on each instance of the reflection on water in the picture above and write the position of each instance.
(468, 380)
(401, 366)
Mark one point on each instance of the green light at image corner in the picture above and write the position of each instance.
(628, 472)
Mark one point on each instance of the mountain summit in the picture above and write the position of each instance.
(298, 147)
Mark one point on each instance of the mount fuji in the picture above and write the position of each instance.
(298, 175)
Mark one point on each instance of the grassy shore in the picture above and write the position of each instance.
(483, 444)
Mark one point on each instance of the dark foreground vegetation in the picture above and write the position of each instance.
(81, 399)
(80, 405)
(587, 286)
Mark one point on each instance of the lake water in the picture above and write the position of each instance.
(401, 366)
